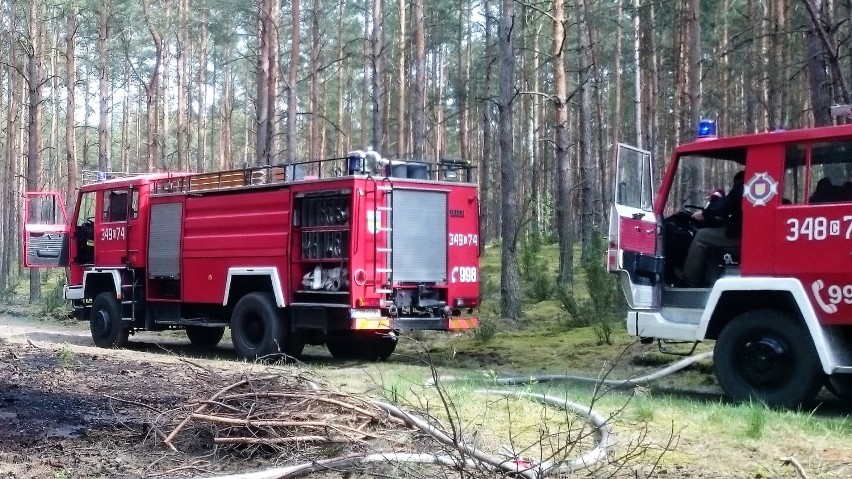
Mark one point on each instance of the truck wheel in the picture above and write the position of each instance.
(108, 330)
(256, 326)
(204, 337)
(379, 347)
(343, 347)
(769, 356)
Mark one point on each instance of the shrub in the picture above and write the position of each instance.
(541, 288)
(605, 305)
(486, 331)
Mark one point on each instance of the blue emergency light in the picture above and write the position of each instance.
(706, 129)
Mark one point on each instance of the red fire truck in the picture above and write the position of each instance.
(779, 306)
(280, 257)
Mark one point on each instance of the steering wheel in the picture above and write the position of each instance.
(690, 209)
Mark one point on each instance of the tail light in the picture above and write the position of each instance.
(368, 302)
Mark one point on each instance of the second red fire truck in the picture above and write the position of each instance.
(779, 304)
(282, 258)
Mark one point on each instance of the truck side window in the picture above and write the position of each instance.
(794, 191)
(831, 172)
(115, 206)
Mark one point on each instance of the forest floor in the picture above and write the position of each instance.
(69, 409)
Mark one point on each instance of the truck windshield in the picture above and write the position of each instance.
(699, 177)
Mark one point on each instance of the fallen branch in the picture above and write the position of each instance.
(791, 461)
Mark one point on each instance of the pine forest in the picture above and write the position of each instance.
(534, 93)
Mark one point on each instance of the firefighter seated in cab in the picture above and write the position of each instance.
(720, 228)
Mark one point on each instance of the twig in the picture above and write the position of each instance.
(273, 440)
(791, 461)
(200, 409)
(279, 423)
(317, 398)
(136, 403)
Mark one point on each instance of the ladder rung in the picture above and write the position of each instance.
(385, 229)
(384, 291)
(384, 270)
(384, 208)
(384, 188)
(384, 250)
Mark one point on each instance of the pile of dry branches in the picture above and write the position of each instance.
(282, 415)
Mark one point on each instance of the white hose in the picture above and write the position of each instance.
(519, 380)
(471, 457)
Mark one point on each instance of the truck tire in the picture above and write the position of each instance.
(343, 347)
(204, 337)
(379, 347)
(257, 328)
(769, 356)
(108, 329)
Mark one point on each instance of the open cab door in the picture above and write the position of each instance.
(46, 231)
(634, 230)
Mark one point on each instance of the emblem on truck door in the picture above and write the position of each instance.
(760, 189)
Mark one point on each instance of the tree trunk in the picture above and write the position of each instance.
(34, 82)
(182, 51)
(402, 121)
(378, 93)
(292, 80)
(637, 72)
(564, 221)
(820, 89)
(204, 35)
(586, 163)
(510, 288)
(103, 86)
(152, 91)
(273, 145)
(489, 219)
(263, 70)
(9, 192)
(418, 113)
(70, 107)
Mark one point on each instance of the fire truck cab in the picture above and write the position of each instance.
(281, 257)
(779, 306)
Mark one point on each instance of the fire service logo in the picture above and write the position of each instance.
(760, 189)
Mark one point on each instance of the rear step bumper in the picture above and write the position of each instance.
(438, 324)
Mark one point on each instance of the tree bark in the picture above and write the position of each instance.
(70, 108)
(182, 51)
(378, 93)
(103, 86)
(585, 161)
(402, 121)
(510, 297)
(34, 105)
(292, 80)
(418, 112)
(152, 89)
(489, 219)
(262, 153)
(564, 221)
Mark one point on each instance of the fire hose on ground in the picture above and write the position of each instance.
(472, 457)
